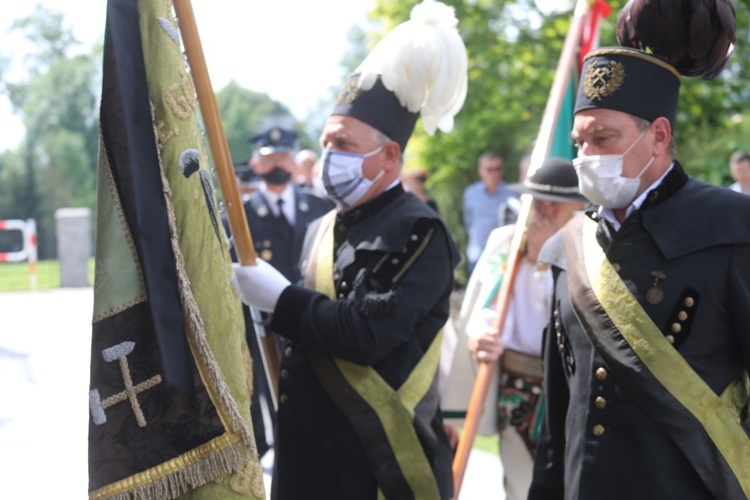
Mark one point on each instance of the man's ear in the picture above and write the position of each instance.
(662, 135)
(392, 153)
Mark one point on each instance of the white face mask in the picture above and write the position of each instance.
(600, 179)
(343, 178)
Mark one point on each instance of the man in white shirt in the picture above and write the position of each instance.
(554, 187)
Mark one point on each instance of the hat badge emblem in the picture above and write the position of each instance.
(350, 91)
(604, 80)
(275, 134)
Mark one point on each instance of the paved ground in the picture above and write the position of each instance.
(44, 371)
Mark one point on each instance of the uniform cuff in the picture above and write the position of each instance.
(289, 311)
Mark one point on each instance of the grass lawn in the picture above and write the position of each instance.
(490, 444)
(14, 276)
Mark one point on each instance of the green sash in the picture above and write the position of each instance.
(705, 426)
(383, 418)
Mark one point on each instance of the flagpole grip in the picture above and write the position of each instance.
(486, 371)
(217, 141)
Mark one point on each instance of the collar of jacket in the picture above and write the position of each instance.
(368, 209)
(684, 215)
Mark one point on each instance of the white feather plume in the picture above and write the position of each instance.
(423, 62)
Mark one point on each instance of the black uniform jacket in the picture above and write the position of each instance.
(374, 323)
(597, 442)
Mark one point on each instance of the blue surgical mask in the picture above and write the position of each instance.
(343, 179)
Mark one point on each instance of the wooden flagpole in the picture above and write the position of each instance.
(225, 171)
(485, 372)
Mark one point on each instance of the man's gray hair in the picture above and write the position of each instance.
(380, 139)
(643, 124)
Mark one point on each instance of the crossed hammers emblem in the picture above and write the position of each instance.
(119, 353)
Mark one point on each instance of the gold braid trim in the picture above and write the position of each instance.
(195, 468)
(126, 228)
(623, 51)
(227, 409)
(119, 309)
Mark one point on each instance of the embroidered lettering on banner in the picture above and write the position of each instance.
(183, 105)
(163, 137)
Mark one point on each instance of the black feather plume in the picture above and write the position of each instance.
(694, 36)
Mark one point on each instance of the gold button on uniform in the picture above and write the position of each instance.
(283, 398)
(670, 339)
(600, 402)
(284, 373)
(689, 302)
(598, 430)
(682, 315)
(601, 374)
(288, 352)
(616, 267)
(676, 327)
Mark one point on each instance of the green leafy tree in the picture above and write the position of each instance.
(513, 52)
(241, 113)
(513, 48)
(58, 103)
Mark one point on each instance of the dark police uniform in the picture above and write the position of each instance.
(374, 322)
(598, 442)
(273, 241)
(280, 246)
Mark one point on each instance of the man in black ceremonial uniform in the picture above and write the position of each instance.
(278, 214)
(648, 348)
(358, 410)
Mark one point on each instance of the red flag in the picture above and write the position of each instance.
(590, 35)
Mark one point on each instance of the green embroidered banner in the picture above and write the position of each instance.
(169, 397)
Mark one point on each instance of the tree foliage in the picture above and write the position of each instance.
(241, 113)
(55, 166)
(513, 48)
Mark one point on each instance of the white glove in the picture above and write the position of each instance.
(259, 286)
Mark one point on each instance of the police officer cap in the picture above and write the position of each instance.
(555, 180)
(274, 140)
